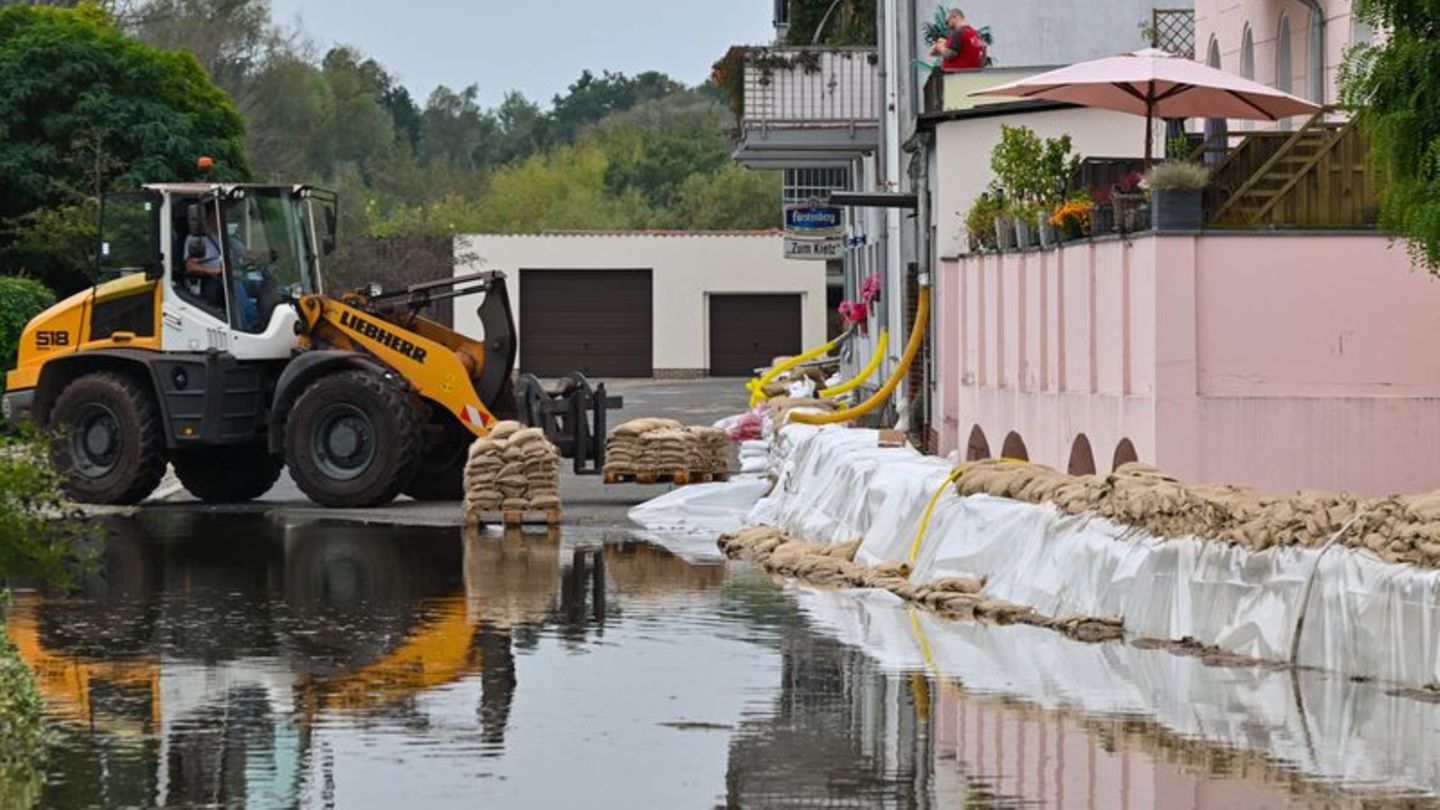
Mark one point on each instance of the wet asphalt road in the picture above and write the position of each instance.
(586, 500)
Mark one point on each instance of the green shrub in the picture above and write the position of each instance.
(21, 727)
(20, 300)
(980, 221)
(1176, 175)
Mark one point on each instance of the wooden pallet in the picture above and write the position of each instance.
(679, 478)
(512, 518)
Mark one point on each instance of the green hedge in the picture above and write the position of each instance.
(20, 300)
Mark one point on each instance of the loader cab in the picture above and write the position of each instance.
(235, 257)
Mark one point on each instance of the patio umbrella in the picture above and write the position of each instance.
(1157, 84)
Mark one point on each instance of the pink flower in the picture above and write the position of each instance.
(870, 289)
(853, 312)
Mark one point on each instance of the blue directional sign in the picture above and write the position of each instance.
(814, 219)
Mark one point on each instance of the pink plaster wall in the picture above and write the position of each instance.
(1280, 361)
(1225, 21)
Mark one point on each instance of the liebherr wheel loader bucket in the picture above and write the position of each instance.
(573, 415)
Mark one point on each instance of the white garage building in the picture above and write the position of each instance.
(650, 304)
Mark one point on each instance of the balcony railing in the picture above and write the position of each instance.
(804, 85)
(802, 106)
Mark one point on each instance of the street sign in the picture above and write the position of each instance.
(814, 249)
(814, 220)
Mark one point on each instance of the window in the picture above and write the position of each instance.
(1316, 59)
(1284, 67)
(1247, 62)
(1213, 59)
(804, 185)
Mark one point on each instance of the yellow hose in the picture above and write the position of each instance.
(912, 348)
(880, 345)
(930, 507)
(757, 386)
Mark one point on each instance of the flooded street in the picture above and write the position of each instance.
(243, 660)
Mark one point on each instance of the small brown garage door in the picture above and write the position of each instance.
(747, 331)
(595, 321)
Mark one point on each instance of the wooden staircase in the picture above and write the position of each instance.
(1296, 159)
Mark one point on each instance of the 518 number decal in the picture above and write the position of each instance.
(50, 338)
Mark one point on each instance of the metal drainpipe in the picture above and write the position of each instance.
(892, 278)
(1316, 48)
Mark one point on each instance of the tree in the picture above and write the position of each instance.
(589, 100)
(734, 198)
(1395, 83)
(845, 22)
(84, 108)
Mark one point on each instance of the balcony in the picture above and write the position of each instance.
(801, 106)
(950, 92)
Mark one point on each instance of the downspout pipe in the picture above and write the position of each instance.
(1317, 49)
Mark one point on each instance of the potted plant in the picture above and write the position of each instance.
(1127, 198)
(1026, 215)
(1176, 188)
(980, 223)
(1073, 218)
(1004, 223)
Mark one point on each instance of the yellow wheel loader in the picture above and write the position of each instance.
(216, 347)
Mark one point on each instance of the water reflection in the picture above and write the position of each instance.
(243, 661)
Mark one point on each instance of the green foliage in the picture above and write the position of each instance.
(1395, 83)
(22, 728)
(849, 22)
(40, 533)
(85, 109)
(1176, 175)
(980, 221)
(1032, 170)
(20, 300)
(734, 198)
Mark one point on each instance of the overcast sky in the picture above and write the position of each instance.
(536, 46)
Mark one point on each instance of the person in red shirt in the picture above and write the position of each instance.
(964, 49)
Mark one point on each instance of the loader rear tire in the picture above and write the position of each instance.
(109, 443)
(441, 476)
(353, 440)
(228, 474)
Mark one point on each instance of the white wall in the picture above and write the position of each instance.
(685, 268)
(1047, 32)
(963, 156)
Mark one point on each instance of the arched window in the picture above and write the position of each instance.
(1213, 58)
(1284, 66)
(1124, 454)
(1082, 458)
(977, 449)
(1014, 448)
(1315, 58)
(1247, 63)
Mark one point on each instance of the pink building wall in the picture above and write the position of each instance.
(1225, 22)
(1279, 361)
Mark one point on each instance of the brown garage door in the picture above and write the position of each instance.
(595, 321)
(747, 331)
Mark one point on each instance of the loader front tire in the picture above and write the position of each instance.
(441, 476)
(353, 440)
(228, 474)
(109, 444)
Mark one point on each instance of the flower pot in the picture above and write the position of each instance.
(1102, 218)
(1004, 234)
(1023, 233)
(1128, 208)
(1176, 209)
(1048, 236)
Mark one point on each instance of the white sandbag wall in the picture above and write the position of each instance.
(1362, 616)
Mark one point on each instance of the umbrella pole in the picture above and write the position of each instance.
(1149, 133)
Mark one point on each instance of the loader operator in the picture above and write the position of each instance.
(204, 260)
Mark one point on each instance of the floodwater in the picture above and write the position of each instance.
(246, 661)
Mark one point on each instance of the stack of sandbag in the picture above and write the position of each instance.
(778, 409)
(514, 468)
(754, 457)
(709, 451)
(1399, 529)
(666, 450)
(624, 448)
